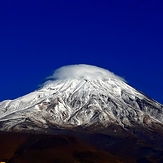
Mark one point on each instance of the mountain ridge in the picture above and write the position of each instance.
(82, 102)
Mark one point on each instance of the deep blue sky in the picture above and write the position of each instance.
(37, 37)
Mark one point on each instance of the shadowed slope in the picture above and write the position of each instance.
(25, 148)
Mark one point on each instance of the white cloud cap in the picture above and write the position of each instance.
(83, 71)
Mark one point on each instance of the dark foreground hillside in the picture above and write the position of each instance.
(77, 147)
(25, 148)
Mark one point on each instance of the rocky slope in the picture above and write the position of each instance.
(80, 102)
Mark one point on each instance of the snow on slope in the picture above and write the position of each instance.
(80, 101)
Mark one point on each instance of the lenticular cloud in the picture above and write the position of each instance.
(81, 71)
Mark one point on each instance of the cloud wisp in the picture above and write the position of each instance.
(82, 71)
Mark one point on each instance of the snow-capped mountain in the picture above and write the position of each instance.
(94, 98)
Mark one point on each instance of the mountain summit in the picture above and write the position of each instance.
(81, 96)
